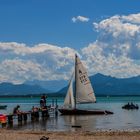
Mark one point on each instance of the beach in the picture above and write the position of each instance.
(66, 135)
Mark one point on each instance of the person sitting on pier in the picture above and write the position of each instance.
(35, 109)
(16, 110)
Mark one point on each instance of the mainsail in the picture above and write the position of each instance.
(84, 90)
(69, 99)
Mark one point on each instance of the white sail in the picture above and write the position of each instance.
(84, 90)
(69, 99)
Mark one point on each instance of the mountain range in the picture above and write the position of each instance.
(102, 85)
(20, 89)
(107, 85)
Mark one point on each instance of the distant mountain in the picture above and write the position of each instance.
(107, 85)
(21, 89)
(51, 86)
(102, 85)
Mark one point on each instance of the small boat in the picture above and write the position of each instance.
(130, 106)
(3, 106)
(83, 93)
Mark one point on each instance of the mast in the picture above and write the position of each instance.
(75, 80)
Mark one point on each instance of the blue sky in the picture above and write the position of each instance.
(49, 21)
(38, 38)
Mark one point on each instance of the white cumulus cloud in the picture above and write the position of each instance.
(80, 18)
(116, 52)
(117, 66)
(19, 63)
(120, 35)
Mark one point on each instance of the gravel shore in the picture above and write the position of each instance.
(80, 135)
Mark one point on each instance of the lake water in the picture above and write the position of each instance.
(120, 120)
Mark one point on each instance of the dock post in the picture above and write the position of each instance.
(36, 115)
(25, 117)
(32, 116)
(10, 119)
(56, 108)
(3, 125)
(52, 102)
(56, 102)
(45, 113)
(19, 117)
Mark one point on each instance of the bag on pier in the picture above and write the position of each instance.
(3, 118)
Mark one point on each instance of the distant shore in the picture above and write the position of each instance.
(54, 95)
(65, 135)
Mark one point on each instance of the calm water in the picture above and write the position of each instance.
(121, 119)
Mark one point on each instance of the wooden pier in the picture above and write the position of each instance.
(30, 116)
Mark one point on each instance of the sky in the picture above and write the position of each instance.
(38, 38)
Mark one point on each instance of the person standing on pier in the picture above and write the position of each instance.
(43, 101)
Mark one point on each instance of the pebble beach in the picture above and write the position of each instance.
(65, 135)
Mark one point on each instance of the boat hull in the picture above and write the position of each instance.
(84, 112)
(3, 106)
(130, 107)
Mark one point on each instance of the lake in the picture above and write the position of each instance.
(120, 120)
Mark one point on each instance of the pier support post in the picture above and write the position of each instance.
(45, 113)
(56, 108)
(52, 102)
(32, 116)
(25, 117)
(3, 125)
(10, 119)
(19, 117)
(35, 116)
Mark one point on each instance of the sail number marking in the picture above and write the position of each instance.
(83, 77)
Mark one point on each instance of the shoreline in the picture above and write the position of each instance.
(69, 135)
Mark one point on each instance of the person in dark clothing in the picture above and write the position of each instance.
(44, 98)
(16, 110)
(43, 101)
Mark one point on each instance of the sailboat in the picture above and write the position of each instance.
(83, 93)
